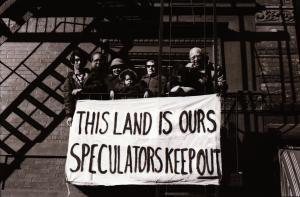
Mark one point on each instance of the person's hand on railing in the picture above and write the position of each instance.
(203, 79)
(175, 89)
(76, 91)
(146, 94)
(112, 95)
(69, 121)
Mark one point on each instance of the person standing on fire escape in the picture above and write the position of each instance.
(151, 80)
(199, 76)
(74, 83)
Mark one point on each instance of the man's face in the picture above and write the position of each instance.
(77, 62)
(96, 60)
(116, 70)
(128, 80)
(195, 56)
(150, 66)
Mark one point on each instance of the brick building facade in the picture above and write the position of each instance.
(258, 47)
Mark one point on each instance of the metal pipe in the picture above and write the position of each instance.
(215, 42)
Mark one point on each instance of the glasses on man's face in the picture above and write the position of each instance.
(150, 66)
(77, 60)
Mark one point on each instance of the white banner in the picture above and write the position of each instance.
(174, 140)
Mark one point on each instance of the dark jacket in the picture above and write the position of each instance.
(112, 81)
(69, 85)
(208, 80)
(125, 92)
(95, 87)
(151, 84)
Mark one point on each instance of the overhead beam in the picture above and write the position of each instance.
(255, 36)
(91, 9)
(127, 30)
(154, 11)
(94, 37)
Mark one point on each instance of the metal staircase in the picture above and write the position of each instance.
(14, 24)
(7, 148)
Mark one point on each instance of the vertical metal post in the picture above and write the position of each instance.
(215, 42)
(170, 41)
(296, 4)
(160, 41)
(282, 73)
(237, 131)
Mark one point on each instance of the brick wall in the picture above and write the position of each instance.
(42, 171)
(278, 60)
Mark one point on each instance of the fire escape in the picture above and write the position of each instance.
(137, 22)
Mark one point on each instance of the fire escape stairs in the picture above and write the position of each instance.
(11, 158)
(17, 20)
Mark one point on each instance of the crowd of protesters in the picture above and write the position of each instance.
(115, 79)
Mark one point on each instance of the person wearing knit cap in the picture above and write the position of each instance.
(116, 67)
